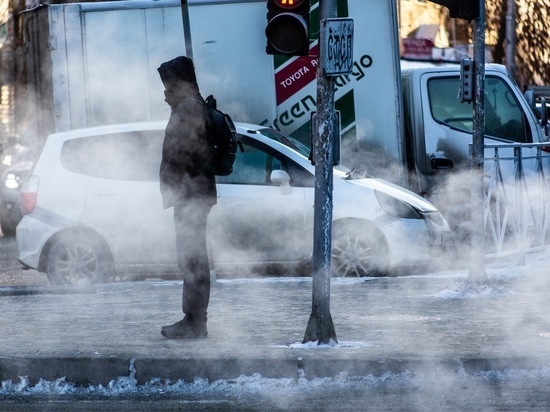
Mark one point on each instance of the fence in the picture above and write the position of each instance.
(516, 199)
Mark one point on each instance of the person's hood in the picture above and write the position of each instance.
(179, 79)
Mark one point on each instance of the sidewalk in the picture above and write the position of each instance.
(417, 323)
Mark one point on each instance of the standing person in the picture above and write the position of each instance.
(188, 187)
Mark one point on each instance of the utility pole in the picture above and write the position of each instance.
(320, 327)
(477, 270)
(335, 59)
(511, 37)
(186, 28)
(474, 10)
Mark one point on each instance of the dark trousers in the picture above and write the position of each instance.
(190, 220)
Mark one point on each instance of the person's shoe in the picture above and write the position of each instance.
(185, 329)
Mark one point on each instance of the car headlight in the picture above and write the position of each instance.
(7, 160)
(436, 218)
(11, 182)
(395, 207)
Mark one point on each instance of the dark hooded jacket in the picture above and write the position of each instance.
(183, 175)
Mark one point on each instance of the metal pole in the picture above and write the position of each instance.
(477, 270)
(320, 327)
(511, 37)
(520, 196)
(186, 29)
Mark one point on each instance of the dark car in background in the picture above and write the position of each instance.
(15, 167)
(10, 185)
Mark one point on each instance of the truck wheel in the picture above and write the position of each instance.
(358, 251)
(78, 261)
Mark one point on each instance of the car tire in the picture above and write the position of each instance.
(77, 261)
(8, 226)
(358, 251)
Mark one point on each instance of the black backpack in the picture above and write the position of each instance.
(222, 139)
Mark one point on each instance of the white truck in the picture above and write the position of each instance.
(95, 63)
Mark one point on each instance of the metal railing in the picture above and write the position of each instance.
(516, 200)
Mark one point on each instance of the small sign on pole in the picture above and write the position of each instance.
(338, 43)
(336, 141)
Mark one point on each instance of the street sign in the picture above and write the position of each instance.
(338, 46)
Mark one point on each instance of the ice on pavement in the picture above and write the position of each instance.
(257, 384)
(331, 345)
(471, 290)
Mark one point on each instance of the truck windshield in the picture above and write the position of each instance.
(503, 115)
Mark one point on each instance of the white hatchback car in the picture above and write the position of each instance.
(92, 210)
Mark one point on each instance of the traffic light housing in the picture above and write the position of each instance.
(287, 29)
(461, 9)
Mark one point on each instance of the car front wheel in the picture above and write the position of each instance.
(77, 261)
(357, 251)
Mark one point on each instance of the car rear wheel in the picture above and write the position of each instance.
(358, 251)
(77, 261)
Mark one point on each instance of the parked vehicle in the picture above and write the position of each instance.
(15, 166)
(99, 66)
(93, 210)
(11, 181)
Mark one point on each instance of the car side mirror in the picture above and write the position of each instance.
(530, 97)
(543, 112)
(282, 179)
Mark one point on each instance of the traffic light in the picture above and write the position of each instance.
(461, 9)
(287, 29)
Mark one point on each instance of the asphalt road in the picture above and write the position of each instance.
(460, 392)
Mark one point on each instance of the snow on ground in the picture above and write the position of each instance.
(257, 384)
(471, 290)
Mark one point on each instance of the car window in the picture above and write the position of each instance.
(119, 156)
(503, 116)
(255, 162)
(445, 106)
(252, 167)
(286, 140)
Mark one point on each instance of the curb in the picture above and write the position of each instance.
(88, 371)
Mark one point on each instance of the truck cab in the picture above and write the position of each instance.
(438, 127)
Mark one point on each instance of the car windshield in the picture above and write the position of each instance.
(343, 171)
(286, 140)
